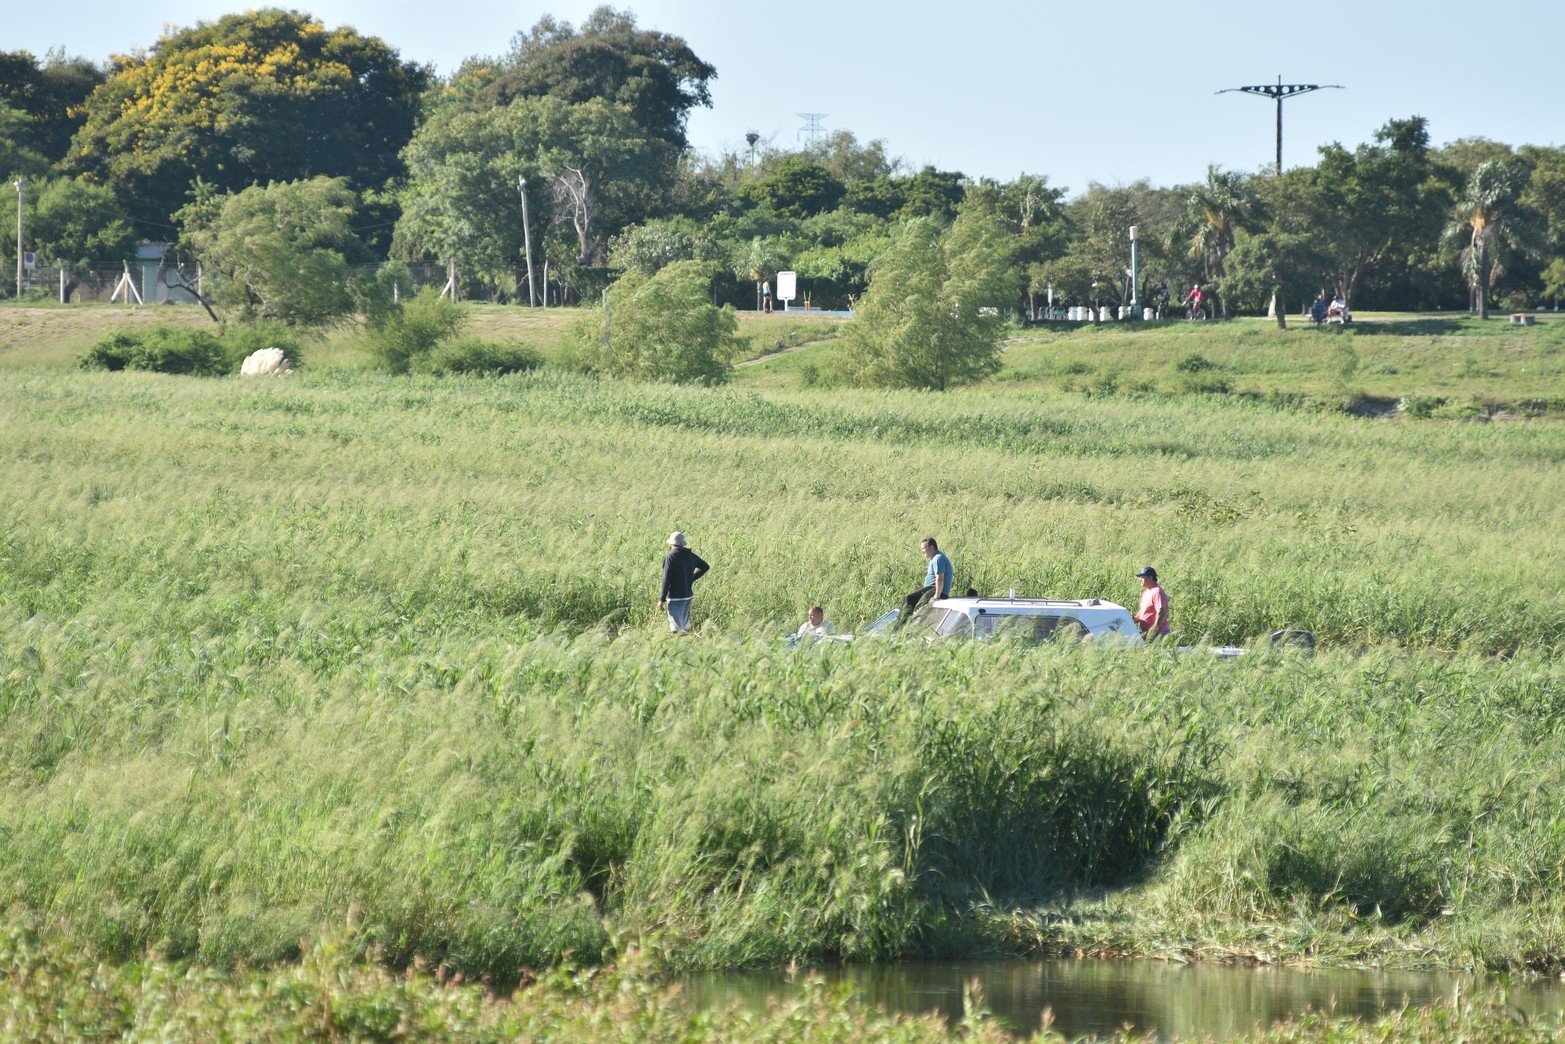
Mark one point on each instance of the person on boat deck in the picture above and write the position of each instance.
(1152, 616)
(937, 578)
(815, 626)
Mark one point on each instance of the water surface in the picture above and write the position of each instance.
(1093, 997)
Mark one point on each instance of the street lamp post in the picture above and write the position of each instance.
(1135, 282)
(18, 184)
(527, 242)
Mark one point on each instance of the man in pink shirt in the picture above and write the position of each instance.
(1152, 617)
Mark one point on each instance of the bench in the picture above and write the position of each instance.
(1522, 319)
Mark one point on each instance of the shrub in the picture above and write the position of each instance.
(930, 318)
(1207, 384)
(414, 329)
(1195, 362)
(659, 328)
(476, 355)
(161, 349)
(1420, 406)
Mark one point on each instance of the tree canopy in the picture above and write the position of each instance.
(279, 251)
(77, 227)
(268, 95)
(654, 75)
(931, 316)
(49, 94)
(590, 171)
(659, 328)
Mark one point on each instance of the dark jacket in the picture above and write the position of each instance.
(681, 569)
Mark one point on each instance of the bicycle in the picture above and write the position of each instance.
(1195, 310)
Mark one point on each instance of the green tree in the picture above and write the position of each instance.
(933, 193)
(797, 187)
(1272, 267)
(841, 154)
(654, 75)
(590, 170)
(931, 316)
(268, 95)
(1032, 215)
(1215, 211)
(649, 247)
(881, 196)
(1554, 280)
(1489, 224)
(76, 226)
(1377, 202)
(18, 159)
(760, 258)
(50, 94)
(659, 328)
(1546, 191)
(279, 251)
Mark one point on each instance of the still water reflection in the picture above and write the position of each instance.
(1090, 997)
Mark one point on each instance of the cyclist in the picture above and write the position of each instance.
(1160, 299)
(1193, 301)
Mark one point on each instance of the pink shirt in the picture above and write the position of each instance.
(1154, 607)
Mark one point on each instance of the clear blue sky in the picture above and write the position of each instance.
(1078, 92)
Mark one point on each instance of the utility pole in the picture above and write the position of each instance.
(1279, 91)
(1135, 281)
(527, 242)
(18, 239)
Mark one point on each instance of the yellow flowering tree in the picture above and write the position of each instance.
(268, 95)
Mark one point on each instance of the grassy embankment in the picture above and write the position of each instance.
(270, 651)
(54, 335)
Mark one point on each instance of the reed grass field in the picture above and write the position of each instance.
(280, 654)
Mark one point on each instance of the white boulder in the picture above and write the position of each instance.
(265, 362)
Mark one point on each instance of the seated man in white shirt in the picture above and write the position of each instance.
(816, 626)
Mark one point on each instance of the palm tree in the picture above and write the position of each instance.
(1214, 213)
(1489, 224)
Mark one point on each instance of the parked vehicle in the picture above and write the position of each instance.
(1039, 620)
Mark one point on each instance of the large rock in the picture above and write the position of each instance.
(265, 362)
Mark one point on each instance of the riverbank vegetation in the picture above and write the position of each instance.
(276, 650)
(53, 993)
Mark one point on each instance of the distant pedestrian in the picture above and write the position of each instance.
(682, 567)
(766, 296)
(1152, 616)
(937, 578)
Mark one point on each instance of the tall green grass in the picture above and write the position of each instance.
(275, 650)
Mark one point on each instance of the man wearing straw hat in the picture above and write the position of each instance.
(681, 569)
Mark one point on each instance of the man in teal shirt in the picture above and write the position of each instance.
(937, 578)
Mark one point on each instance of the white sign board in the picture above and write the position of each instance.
(787, 286)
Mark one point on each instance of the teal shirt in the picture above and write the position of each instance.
(939, 565)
